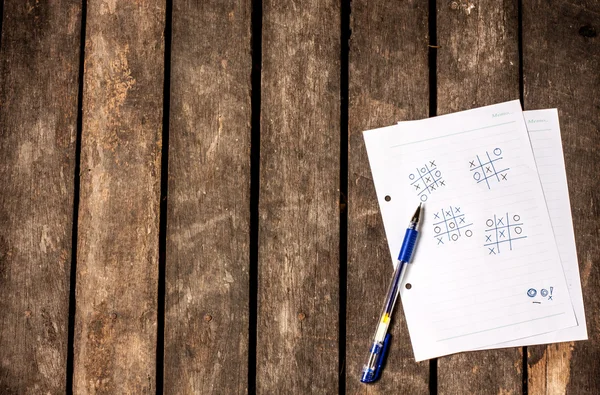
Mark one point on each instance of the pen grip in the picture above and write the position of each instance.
(408, 245)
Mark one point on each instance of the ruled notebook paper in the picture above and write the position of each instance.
(486, 239)
(544, 134)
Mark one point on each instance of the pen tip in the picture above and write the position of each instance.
(417, 214)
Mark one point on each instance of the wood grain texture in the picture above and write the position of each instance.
(561, 64)
(298, 273)
(207, 283)
(478, 65)
(39, 66)
(388, 78)
(117, 265)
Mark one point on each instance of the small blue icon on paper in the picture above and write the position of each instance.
(544, 292)
(531, 292)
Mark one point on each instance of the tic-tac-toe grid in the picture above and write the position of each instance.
(427, 179)
(501, 230)
(452, 220)
(486, 171)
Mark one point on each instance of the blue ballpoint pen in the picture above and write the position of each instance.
(372, 369)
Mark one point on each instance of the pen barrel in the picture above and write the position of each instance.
(378, 349)
(408, 245)
(390, 301)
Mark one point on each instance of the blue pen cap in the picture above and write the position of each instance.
(372, 375)
(408, 245)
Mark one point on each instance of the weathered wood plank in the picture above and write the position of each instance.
(207, 284)
(39, 66)
(561, 49)
(117, 265)
(478, 65)
(298, 288)
(388, 78)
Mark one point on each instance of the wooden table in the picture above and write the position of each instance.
(187, 206)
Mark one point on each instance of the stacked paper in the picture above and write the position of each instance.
(496, 264)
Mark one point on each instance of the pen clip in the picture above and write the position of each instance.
(382, 356)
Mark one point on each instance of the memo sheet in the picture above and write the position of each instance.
(486, 270)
